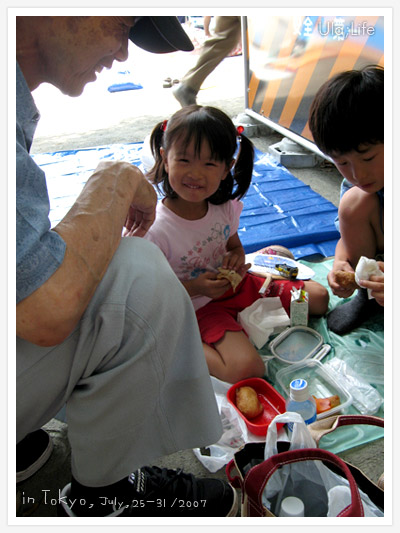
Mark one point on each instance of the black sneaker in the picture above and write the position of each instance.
(32, 453)
(152, 491)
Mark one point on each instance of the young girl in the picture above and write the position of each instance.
(196, 227)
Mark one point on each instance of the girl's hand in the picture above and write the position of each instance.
(337, 289)
(376, 284)
(207, 284)
(234, 260)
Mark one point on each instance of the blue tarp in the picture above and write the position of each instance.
(278, 208)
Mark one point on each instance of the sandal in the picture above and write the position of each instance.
(169, 82)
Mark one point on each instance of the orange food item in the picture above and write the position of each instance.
(248, 403)
(346, 279)
(324, 404)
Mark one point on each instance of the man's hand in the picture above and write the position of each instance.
(141, 213)
(92, 231)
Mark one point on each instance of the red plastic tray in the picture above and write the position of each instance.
(273, 402)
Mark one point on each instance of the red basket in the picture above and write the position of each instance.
(272, 401)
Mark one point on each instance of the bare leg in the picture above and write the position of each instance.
(360, 225)
(318, 298)
(233, 358)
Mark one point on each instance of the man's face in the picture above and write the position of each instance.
(83, 46)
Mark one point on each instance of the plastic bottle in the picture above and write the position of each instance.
(292, 506)
(300, 401)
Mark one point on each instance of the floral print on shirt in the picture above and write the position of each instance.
(206, 254)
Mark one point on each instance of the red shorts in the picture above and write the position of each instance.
(219, 316)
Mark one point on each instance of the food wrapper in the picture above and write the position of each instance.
(365, 269)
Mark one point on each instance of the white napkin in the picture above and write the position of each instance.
(262, 318)
(365, 269)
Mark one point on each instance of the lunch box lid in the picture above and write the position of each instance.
(296, 344)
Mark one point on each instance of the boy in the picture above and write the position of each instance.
(346, 121)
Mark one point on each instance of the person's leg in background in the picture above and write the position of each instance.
(214, 50)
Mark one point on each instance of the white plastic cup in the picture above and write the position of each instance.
(292, 506)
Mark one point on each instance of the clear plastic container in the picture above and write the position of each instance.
(296, 344)
(321, 383)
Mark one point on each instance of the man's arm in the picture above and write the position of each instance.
(115, 195)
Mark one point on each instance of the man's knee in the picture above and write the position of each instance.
(152, 281)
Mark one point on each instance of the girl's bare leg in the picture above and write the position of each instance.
(234, 358)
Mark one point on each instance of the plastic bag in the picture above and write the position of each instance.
(310, 481)
(366, 398)
(234, 436)
(306, 480)
(339, 497)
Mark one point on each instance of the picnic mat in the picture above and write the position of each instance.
(278, 207)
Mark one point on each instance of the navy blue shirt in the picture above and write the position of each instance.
(40, 251)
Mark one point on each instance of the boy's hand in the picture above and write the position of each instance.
(338, 290)
(376, 284)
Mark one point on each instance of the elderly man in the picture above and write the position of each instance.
(95, 330)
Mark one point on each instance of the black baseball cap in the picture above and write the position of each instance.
(160, 35)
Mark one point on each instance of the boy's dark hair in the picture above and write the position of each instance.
(348, 111)
(204, 123)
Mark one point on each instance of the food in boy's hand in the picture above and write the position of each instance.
(231, 275)
(324, 404)
(247, 402)
(345, 279)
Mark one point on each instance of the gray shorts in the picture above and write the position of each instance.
(133, 374)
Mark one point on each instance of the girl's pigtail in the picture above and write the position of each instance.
(156, 173)
(243, 169)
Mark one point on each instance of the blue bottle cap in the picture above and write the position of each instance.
(299, 390)
(299, 384)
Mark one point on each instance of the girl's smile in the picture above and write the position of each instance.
(193, 175)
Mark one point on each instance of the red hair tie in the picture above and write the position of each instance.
(164, 125)
(240, 130)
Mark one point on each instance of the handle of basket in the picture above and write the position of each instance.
(326, 425)
(258, 476)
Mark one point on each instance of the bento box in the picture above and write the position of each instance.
(272, 401)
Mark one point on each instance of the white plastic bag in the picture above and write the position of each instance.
(263, 318)
(365, 397)
(235, 433)
(305, 480)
